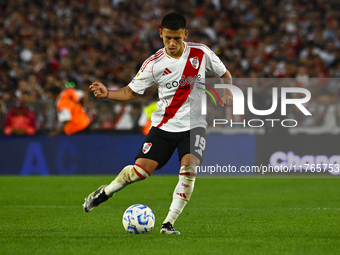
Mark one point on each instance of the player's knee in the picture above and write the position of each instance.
(190, 159)
(147, 165)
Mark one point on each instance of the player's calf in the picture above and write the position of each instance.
(182, 193)
(129, 174)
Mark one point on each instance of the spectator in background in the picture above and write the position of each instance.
(124, 117)
(45, 41)
(144, 122)
(72, 117)
(20, 120)
(327, 99)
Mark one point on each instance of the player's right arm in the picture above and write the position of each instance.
(120, 95)
(139, 83)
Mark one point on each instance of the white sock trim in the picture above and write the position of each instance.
(128, 175)
(140, 171)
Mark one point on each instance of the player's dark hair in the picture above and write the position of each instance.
(174, 21)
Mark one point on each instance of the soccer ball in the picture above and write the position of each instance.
(138, 219)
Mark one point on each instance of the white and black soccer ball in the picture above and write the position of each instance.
(138, 219)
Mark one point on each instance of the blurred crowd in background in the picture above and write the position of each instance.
(73, 43)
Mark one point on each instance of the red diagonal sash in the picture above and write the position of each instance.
(183, 91)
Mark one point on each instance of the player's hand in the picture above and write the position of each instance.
(99, 90)
(227, 99)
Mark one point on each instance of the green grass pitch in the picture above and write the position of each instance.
(43, 215)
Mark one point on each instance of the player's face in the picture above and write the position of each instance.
(173, 41)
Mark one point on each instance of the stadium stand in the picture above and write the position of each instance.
(46, 43)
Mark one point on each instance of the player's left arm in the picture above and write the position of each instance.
(215, 65)
(227, 98)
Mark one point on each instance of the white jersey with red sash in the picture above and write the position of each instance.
(176, 109)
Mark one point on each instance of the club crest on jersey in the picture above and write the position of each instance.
(194, 62)
(146, 147)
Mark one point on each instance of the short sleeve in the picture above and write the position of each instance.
(214, 64)
(142, 80)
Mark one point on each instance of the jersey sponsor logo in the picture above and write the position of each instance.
(137, 75)
(166, 71)
(184, 80)
(146, 147)
(194, 62)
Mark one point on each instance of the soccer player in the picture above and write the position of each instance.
(174, 69)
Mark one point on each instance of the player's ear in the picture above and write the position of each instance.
(186, 34)
(160, 33)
